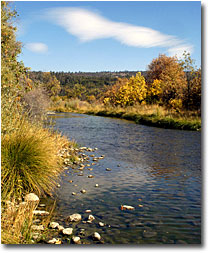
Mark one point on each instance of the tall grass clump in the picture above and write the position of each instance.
(29, 161)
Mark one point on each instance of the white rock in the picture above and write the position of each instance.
(88, 211)
(60, 228)
(40, 212)
(83, 191)
(53, 241)
(101, 224)
(125, 207)
(76, 239)
(96, 185)
(73, 193)
(91, 218)
(53, 224)
(31, 197)
(67, 231)
(42, 205)
(96, 236)
(74, 217)
(37, 227)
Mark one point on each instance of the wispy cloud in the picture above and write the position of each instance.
(87, 26)
(37, 47)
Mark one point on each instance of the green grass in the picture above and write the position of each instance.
(151, 115)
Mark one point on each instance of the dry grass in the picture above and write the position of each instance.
(154, 115)
(30, 161)
(16, 222)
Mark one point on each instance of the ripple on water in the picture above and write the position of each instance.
(159, 166)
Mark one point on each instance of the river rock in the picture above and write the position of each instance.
(60, 228)
(42, 205)
(40, 212)
(88, 211)
(67, 231)
(37, 227)
(53, 224)
(74, 217)
(96, 185)
(149, 233)
(90, 176)
(31, 197)
(96, 236)
(108, 169)
(76, 239)
(73, 193)
(125, 207)
(101, 224)
(91, 218)
(83, 191)
(54, 241)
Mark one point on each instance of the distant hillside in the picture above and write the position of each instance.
(90, 83)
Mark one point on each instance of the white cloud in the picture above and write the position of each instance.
(87, 26)
(37, 47)
(178, 50)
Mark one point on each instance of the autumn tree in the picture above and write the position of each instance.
(51, 84)
(126, 92)
(13, 73)
(192, 93)
(172, 77)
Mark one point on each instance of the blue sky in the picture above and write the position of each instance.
(106, 36)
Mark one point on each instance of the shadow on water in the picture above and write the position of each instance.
(157, 171)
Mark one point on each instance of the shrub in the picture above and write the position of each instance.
(29, 161)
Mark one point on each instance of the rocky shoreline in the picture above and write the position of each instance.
(70, 233)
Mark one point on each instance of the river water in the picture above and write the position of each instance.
(157, 171)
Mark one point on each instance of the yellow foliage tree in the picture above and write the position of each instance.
(127, 92)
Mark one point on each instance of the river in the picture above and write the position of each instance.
(157, 171)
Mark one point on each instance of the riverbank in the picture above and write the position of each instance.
(33, 159)
(150, 115)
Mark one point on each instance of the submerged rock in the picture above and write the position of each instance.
(149, 233)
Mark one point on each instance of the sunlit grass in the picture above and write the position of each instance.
(154, 115)
(30, 161)
(16, 222)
